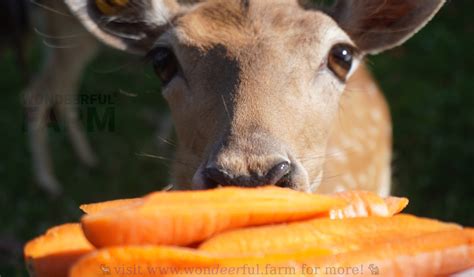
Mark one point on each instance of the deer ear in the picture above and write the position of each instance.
(129, 25)
(378, 25)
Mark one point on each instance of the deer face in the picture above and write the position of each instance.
(253, 86)
(247, 109)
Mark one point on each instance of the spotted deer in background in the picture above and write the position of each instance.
(268, 91)
(68, 49)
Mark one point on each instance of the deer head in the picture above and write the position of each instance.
(253, 85)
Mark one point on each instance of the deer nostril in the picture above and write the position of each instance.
(214, 177)
(279, 174)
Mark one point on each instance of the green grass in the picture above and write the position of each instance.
(428, 83)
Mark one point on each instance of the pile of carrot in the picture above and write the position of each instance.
(251, 232)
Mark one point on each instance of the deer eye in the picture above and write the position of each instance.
(341, 60)
(164, 63)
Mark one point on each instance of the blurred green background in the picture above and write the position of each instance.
(428, 82)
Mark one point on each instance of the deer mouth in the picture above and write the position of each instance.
(288, 174)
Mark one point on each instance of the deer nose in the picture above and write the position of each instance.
(278, 175)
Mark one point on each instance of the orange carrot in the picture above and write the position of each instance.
(435, 254)
(359, 203)
(336, 235)
(52, 254)
(172, 261)
(139, 261)
(182, 218)
(438, 253)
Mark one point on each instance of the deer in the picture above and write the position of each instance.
(267, 92)
(69, 48)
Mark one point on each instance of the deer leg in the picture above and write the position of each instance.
(75, 61)
(38, 102)
(55, 86)
(70, 58)
(42, 164)
(79, 141)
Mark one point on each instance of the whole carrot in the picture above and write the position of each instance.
(358, 203)
(433, 254)
(183, 218)
(336, 235)
(440, 253)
